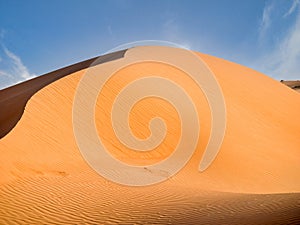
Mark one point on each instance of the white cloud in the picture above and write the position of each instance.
(288, 54)
(283, 62)
(292, 8)
(3, 73)
(266, 20)
(109, 30)
(19, 67)
(15, 71)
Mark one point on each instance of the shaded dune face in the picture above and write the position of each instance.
(294, 84)
(14, 99)
(254, 178)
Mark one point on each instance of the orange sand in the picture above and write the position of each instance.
(43, 176)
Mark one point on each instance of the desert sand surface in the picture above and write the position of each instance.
(254, 179)
(13, 100)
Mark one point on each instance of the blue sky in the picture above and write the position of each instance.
(40, 36)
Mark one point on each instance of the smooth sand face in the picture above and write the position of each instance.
(42, 166)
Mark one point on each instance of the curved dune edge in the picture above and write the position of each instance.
(13, 99)
(43, 172)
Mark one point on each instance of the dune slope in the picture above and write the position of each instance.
(254, 178)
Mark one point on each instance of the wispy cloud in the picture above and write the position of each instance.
(265, 20)
(109, 29)
(287, 56)
(292, 8)
(18, 65)
(283, 62)
(13, 70)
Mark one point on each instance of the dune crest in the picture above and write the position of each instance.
(41, 165)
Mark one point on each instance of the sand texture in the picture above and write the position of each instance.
(254, 179)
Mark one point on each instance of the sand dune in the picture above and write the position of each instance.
(254, 179)
(13, 100)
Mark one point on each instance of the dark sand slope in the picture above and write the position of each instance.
(14, 99)
(294, 84)
(255, 178)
